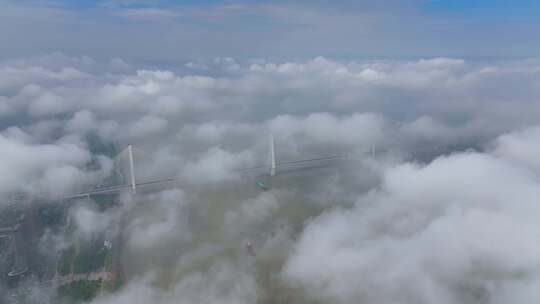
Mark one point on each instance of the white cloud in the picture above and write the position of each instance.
(91, 223)
(162, 224)
(42, 168)
(148, 125)
(521, 146)
(215, 165)
(147, 14)
(446, 232)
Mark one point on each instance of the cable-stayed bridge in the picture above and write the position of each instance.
(126, 166)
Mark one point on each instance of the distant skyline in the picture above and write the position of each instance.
(163, 32)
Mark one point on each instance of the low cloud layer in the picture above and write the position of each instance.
(436, 202)
(190, 119)
(461, 229)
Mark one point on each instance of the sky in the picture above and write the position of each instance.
(435, 103)
(176, 31)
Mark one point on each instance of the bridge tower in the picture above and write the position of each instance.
(132, 170)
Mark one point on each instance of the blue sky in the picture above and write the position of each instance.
(524, 8)
(169, 31)
(486, 8)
